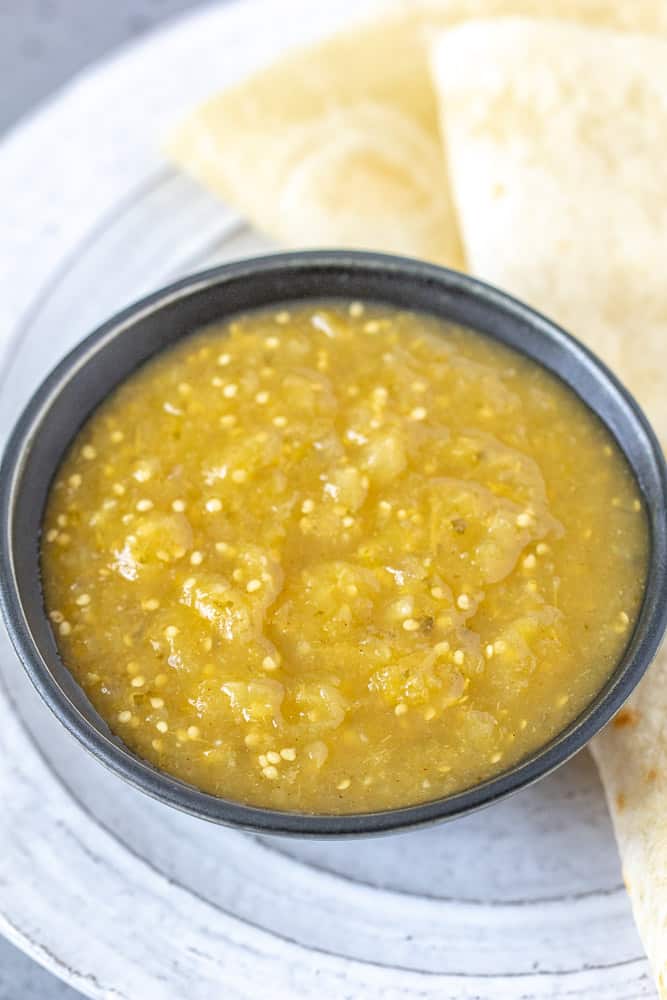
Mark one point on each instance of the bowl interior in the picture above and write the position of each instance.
(109, 355)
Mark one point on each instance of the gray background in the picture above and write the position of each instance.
(43, 43)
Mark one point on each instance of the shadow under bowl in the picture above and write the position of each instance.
(86, 376)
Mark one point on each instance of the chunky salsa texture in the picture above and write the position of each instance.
(336, 557)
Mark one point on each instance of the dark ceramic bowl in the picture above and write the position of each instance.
(92, 369)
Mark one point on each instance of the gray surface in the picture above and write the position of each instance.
(22, 979)
(42, 44)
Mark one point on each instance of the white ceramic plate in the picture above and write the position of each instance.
(124, 898)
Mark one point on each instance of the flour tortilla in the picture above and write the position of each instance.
(338, 144)
(556, 137)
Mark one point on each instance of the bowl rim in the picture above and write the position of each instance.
(635, 660)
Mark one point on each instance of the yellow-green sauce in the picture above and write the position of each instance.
(339, 557)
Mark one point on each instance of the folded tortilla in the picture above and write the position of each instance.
(338, 145)
(556, 137)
